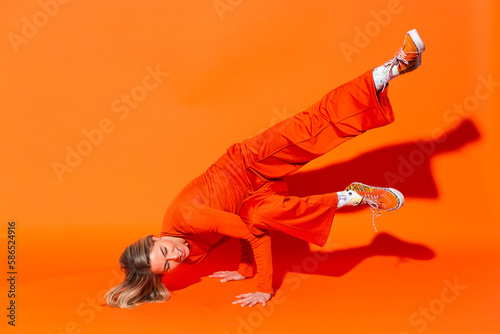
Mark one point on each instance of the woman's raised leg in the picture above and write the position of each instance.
(343, 113)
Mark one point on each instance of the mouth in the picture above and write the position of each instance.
(182, 254)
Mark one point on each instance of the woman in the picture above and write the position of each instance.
(243, 195)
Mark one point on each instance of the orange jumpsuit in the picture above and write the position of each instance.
(244, 195)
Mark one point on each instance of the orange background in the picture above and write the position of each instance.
(232, 72)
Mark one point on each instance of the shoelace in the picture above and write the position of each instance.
(371, 201)
(399, 57)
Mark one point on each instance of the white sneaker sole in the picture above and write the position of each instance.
(419, 43)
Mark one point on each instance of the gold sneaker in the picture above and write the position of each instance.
(377, 198)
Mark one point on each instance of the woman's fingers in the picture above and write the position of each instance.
(227, 276)
(219, 274)
(253, 303)
(252, 299)
(247, 301)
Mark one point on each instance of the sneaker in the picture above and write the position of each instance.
(377, 198)
(409, 57)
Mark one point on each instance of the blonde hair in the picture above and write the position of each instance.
(141, 285)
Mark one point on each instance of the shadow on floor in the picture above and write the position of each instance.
(406, 166)
(293, 255)
(339, 262)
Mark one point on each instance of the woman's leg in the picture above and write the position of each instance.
(307, 218)
(340, 115)
(310, 218)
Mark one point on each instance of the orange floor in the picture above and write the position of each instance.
(109, 108)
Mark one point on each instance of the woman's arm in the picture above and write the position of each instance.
(231, 225)
(203, 219)
(245, 268)
(264, 274)
(261, 247)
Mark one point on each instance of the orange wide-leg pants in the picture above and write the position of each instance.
(259, 164)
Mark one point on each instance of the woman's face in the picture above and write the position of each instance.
(167, 253)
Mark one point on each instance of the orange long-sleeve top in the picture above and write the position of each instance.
(205, 211)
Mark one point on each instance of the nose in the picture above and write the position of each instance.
(174, 255)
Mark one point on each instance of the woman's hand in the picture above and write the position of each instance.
(227, 276)
(253, 298)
